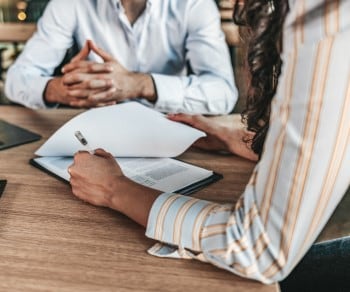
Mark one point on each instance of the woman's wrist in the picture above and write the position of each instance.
(120, 187)
(132, 199)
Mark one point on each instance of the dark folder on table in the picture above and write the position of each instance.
(11, 135)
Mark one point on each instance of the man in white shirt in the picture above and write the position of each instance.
(143, 51)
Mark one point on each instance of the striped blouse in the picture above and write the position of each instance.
(304, 170)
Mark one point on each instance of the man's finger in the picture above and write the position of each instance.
(104, 96)
(79, 93)
(104, 55)
(87, 67)
(83, 54)
(90, 81)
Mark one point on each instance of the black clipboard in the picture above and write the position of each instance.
(188, 190)
(195, 187)
(12, 135)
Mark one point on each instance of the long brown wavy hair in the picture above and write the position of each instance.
(263, 20)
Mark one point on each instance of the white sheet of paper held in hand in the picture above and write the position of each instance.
(141, 140)
(125, 130)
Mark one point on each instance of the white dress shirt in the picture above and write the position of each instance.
(167, 35)
(304, 170)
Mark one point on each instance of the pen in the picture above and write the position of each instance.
(83, 141)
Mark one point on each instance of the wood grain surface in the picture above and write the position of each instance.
(51, 241)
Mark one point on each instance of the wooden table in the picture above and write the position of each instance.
(16, 32)
(51, 241)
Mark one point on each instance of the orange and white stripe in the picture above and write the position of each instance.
(294, 190)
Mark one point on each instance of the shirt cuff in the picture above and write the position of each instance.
(169, 251)
(35, 93)
(178, 220)
(170, 93)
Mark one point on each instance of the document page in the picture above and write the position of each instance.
(125, 130)
(164, 174)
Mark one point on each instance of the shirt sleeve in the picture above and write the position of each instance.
(27, 78)
(304, 170)
(211, 88)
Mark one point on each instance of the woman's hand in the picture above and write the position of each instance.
(224, 133)
(98, 179)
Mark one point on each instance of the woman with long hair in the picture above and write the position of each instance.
(297, 129)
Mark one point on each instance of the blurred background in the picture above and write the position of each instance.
(17, 23)
(21, 11)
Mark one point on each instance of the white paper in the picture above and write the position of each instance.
(125, 130)
(163, 174)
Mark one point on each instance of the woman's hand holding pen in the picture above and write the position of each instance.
(98, 179)
(94, 177)
(91, 84)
